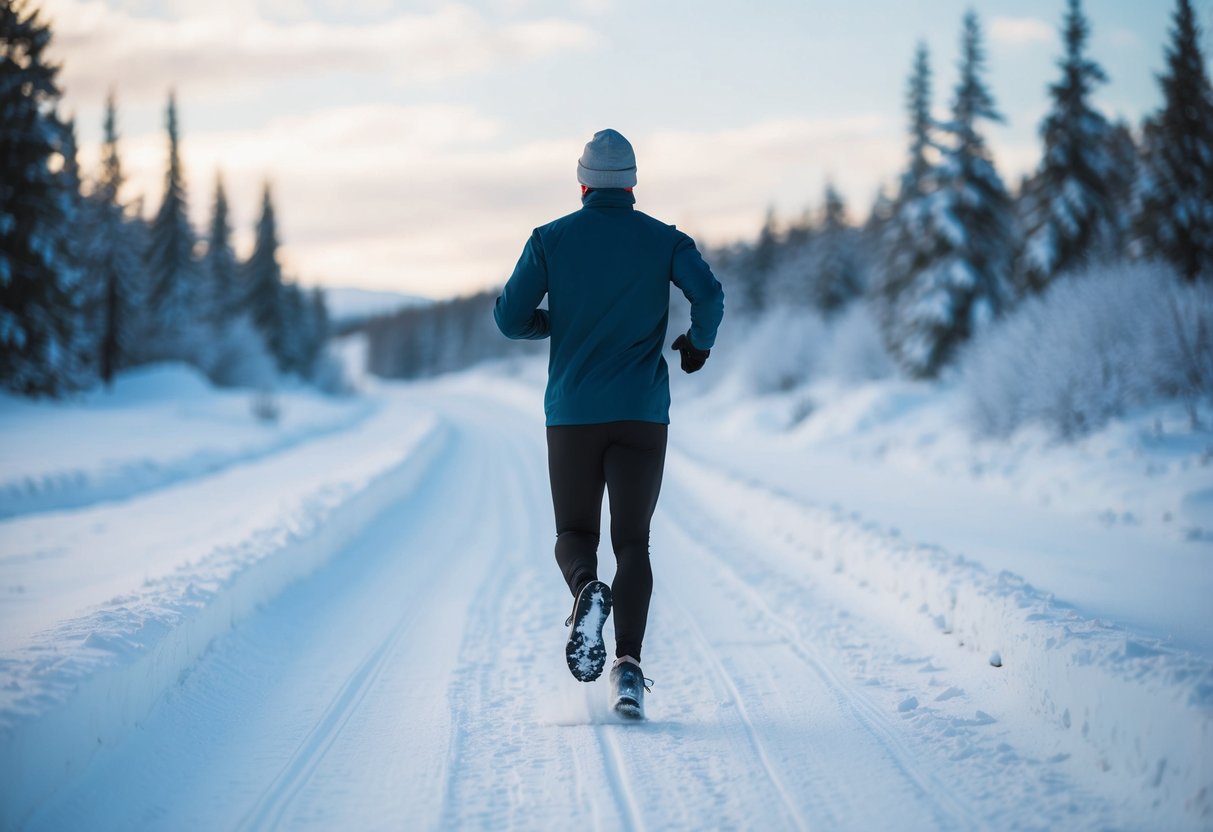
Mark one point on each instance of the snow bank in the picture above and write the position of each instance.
(83, 683)
(1129, 707)
(159, 425)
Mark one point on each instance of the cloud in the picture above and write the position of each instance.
(1021, 31)
(438, 199)
(228, 45)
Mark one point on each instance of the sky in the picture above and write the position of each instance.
(412, 146)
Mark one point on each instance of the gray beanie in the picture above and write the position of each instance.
(608, 162)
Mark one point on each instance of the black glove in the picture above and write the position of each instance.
(692, 358)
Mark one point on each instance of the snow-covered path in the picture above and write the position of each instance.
(416, 680)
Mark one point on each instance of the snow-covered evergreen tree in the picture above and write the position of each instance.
(172, 270)
(906, 245)
(79, 365)
(959, 275)
(113, 260)
(219, 268)
(319, 326)
(1126, 159)
(755, 275)
(1069, 207)
(837, 275)
(1175, 188)
(922, 125)
(264, 281)
(38, 280)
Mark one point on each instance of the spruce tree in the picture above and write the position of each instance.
(320, 327)
(907, 244)
(762, 263)
(1070, 211)
(1175, 189)
(38, 280)
(922, 125)
(114, 258)
(170, 258)
(264, 281)
(1126, 160)
(78, 366)
(837, 278)
(219, 265)
(959, 276)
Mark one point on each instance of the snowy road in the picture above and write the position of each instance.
(416, 680)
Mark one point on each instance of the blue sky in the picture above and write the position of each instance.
(413, 146)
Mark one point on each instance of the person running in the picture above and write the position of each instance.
(606, 270)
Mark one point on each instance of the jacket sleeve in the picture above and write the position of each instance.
(692, 275)
(515, 313)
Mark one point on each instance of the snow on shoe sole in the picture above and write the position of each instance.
(585, 650)
(628, 709)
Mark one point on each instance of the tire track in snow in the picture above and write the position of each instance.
(695, 522)
(756, 743)
(295, 775)
(490, 710)
(275, 802)
(618, 779)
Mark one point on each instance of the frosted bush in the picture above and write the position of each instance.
(855, 350)
(332, 375)
(239, 358)
(780, 351)
(1094, 345)
(788, 347)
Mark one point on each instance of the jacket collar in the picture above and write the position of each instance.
(608, 198)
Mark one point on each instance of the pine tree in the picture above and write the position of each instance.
(264, 281)
(172, 271)
(114, 261)
(78, 366)
(1126, 160)
(837, 277)
(910, 242)
(38, 281)
(1069, 208)
(960, 267)
(922, 144)
(762, 262)
(219, 265)
(320, 328)
(1175, 217)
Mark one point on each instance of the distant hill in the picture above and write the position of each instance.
(348, 305)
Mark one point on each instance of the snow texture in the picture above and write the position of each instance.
(860, 620)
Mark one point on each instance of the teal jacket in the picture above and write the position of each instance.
(606, 271)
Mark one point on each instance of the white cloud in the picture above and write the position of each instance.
(228, 43)
(1021, 31)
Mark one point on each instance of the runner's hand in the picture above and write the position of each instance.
(692, 357)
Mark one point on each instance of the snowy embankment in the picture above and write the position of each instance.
(1129, 707)
(880, 488)
(158, 425)
(99, 620)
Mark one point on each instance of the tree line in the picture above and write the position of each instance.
(88, 287)
(952, 248)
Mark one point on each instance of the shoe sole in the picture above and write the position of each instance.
(629, 709)
(585, 650)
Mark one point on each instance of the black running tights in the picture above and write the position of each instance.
(627, 458)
